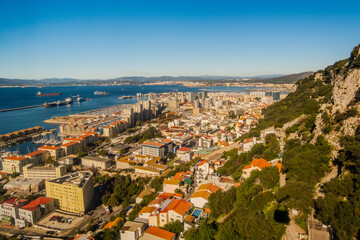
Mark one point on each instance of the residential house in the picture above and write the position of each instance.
(9, 209)
(170, 184)
(33, 211)
(132, 230)
(257, 164)
(185, 154)
(201, 196)
(155, 233)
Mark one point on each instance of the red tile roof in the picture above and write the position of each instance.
(184, 149)
(35, 153)
(180, 206)
(202, 163)
(34, 204)
(49, 148)
(260, 163)
(209, 187)
(14, 201)
(68, 144)
(160, 233)
(16, 158)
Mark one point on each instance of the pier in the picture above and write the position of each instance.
(20, 108)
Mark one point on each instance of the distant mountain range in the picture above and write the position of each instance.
(275, 78)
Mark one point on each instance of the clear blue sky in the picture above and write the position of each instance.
(106, 39)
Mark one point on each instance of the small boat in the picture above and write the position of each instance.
(80, 99)
(100, 93)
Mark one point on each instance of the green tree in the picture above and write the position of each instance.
(269, 177)
(176, 227)
(113, 201)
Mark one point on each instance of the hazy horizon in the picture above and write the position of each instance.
(109, 39)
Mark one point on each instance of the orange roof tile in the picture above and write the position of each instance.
(180, 206)
(279, 165)
(202, 163)
(113, 223)
(178, 175)
(88, 237)
(203, 194)
(260, 163)
(16, 158)
(74, 139)
(171, 181)
(209, 187)
(184, 149)
(148, 209)
(189, 218)
(160, 233)
(237, 184)
(35, 153)
(68, 144)
(49, 148)
(35, 204)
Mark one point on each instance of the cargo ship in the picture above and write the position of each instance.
(39, 94)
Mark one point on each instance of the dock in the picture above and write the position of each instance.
(20, 108)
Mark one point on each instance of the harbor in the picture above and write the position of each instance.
(24, 135)
(67, 101)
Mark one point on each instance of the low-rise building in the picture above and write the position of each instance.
(175, 210)
(170, 185)
(74, 191)
(185, 154)
(257, 164)
(132, 230)
(13, 164)
(38, 156)
(141, 196)
(124, 163)
(248, 143)
(9, 209)
(95, 161)
(147, 211)
(33, 211)
(45, 172)
(25, 184)
(201, 196)
(55, 152)
(155, 233)
(148, 171)
(71, 148)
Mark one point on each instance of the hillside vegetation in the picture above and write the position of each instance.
(326, 132)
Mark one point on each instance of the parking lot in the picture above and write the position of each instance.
(60, 221)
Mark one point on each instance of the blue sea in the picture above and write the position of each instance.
(21, 97)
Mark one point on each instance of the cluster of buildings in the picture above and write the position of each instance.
(199, 124)
(20, 133)
(22, 212)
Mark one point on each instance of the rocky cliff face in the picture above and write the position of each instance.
(344, 76)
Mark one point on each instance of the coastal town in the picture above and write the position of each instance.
(137, 171)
